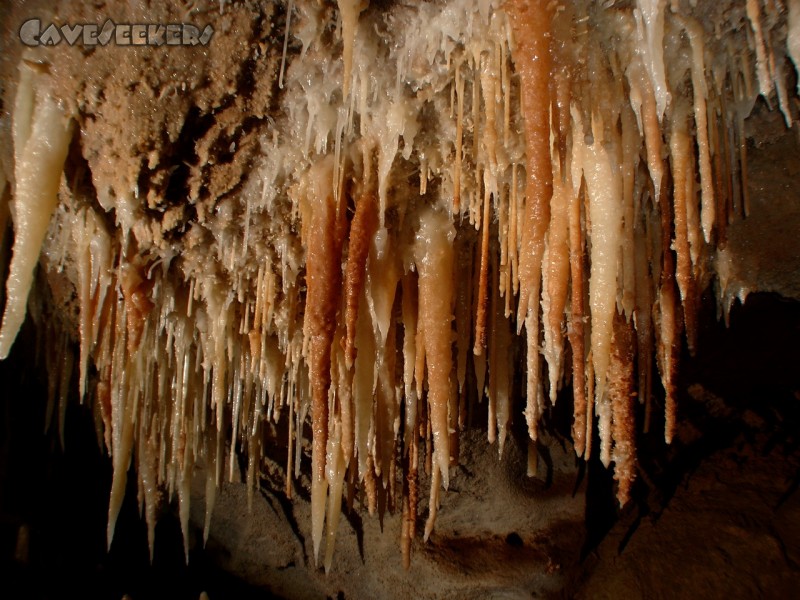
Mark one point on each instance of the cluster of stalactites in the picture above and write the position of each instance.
(572, 184)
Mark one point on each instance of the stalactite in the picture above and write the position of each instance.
(623, 421)
(531, 23)
(324, 242)
(42, 132)
(434, 262)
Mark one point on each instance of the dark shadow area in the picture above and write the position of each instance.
(54, 503)
(727, 485)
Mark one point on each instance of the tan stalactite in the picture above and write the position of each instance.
(410, 503)
(362, 228)
(323, 240)
(434, 261)
(577, 339)
(42, 131)
(483, 282)
(136, 291)
(556, 277)
(530, 24)
(623, 421)
(349, 11)
(682, 161)
(668, 322)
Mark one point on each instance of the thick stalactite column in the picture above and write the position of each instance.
(530, 23)
(323, 242)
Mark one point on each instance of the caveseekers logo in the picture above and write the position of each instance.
(121, 34)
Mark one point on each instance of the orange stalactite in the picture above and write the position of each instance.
(531, 25)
